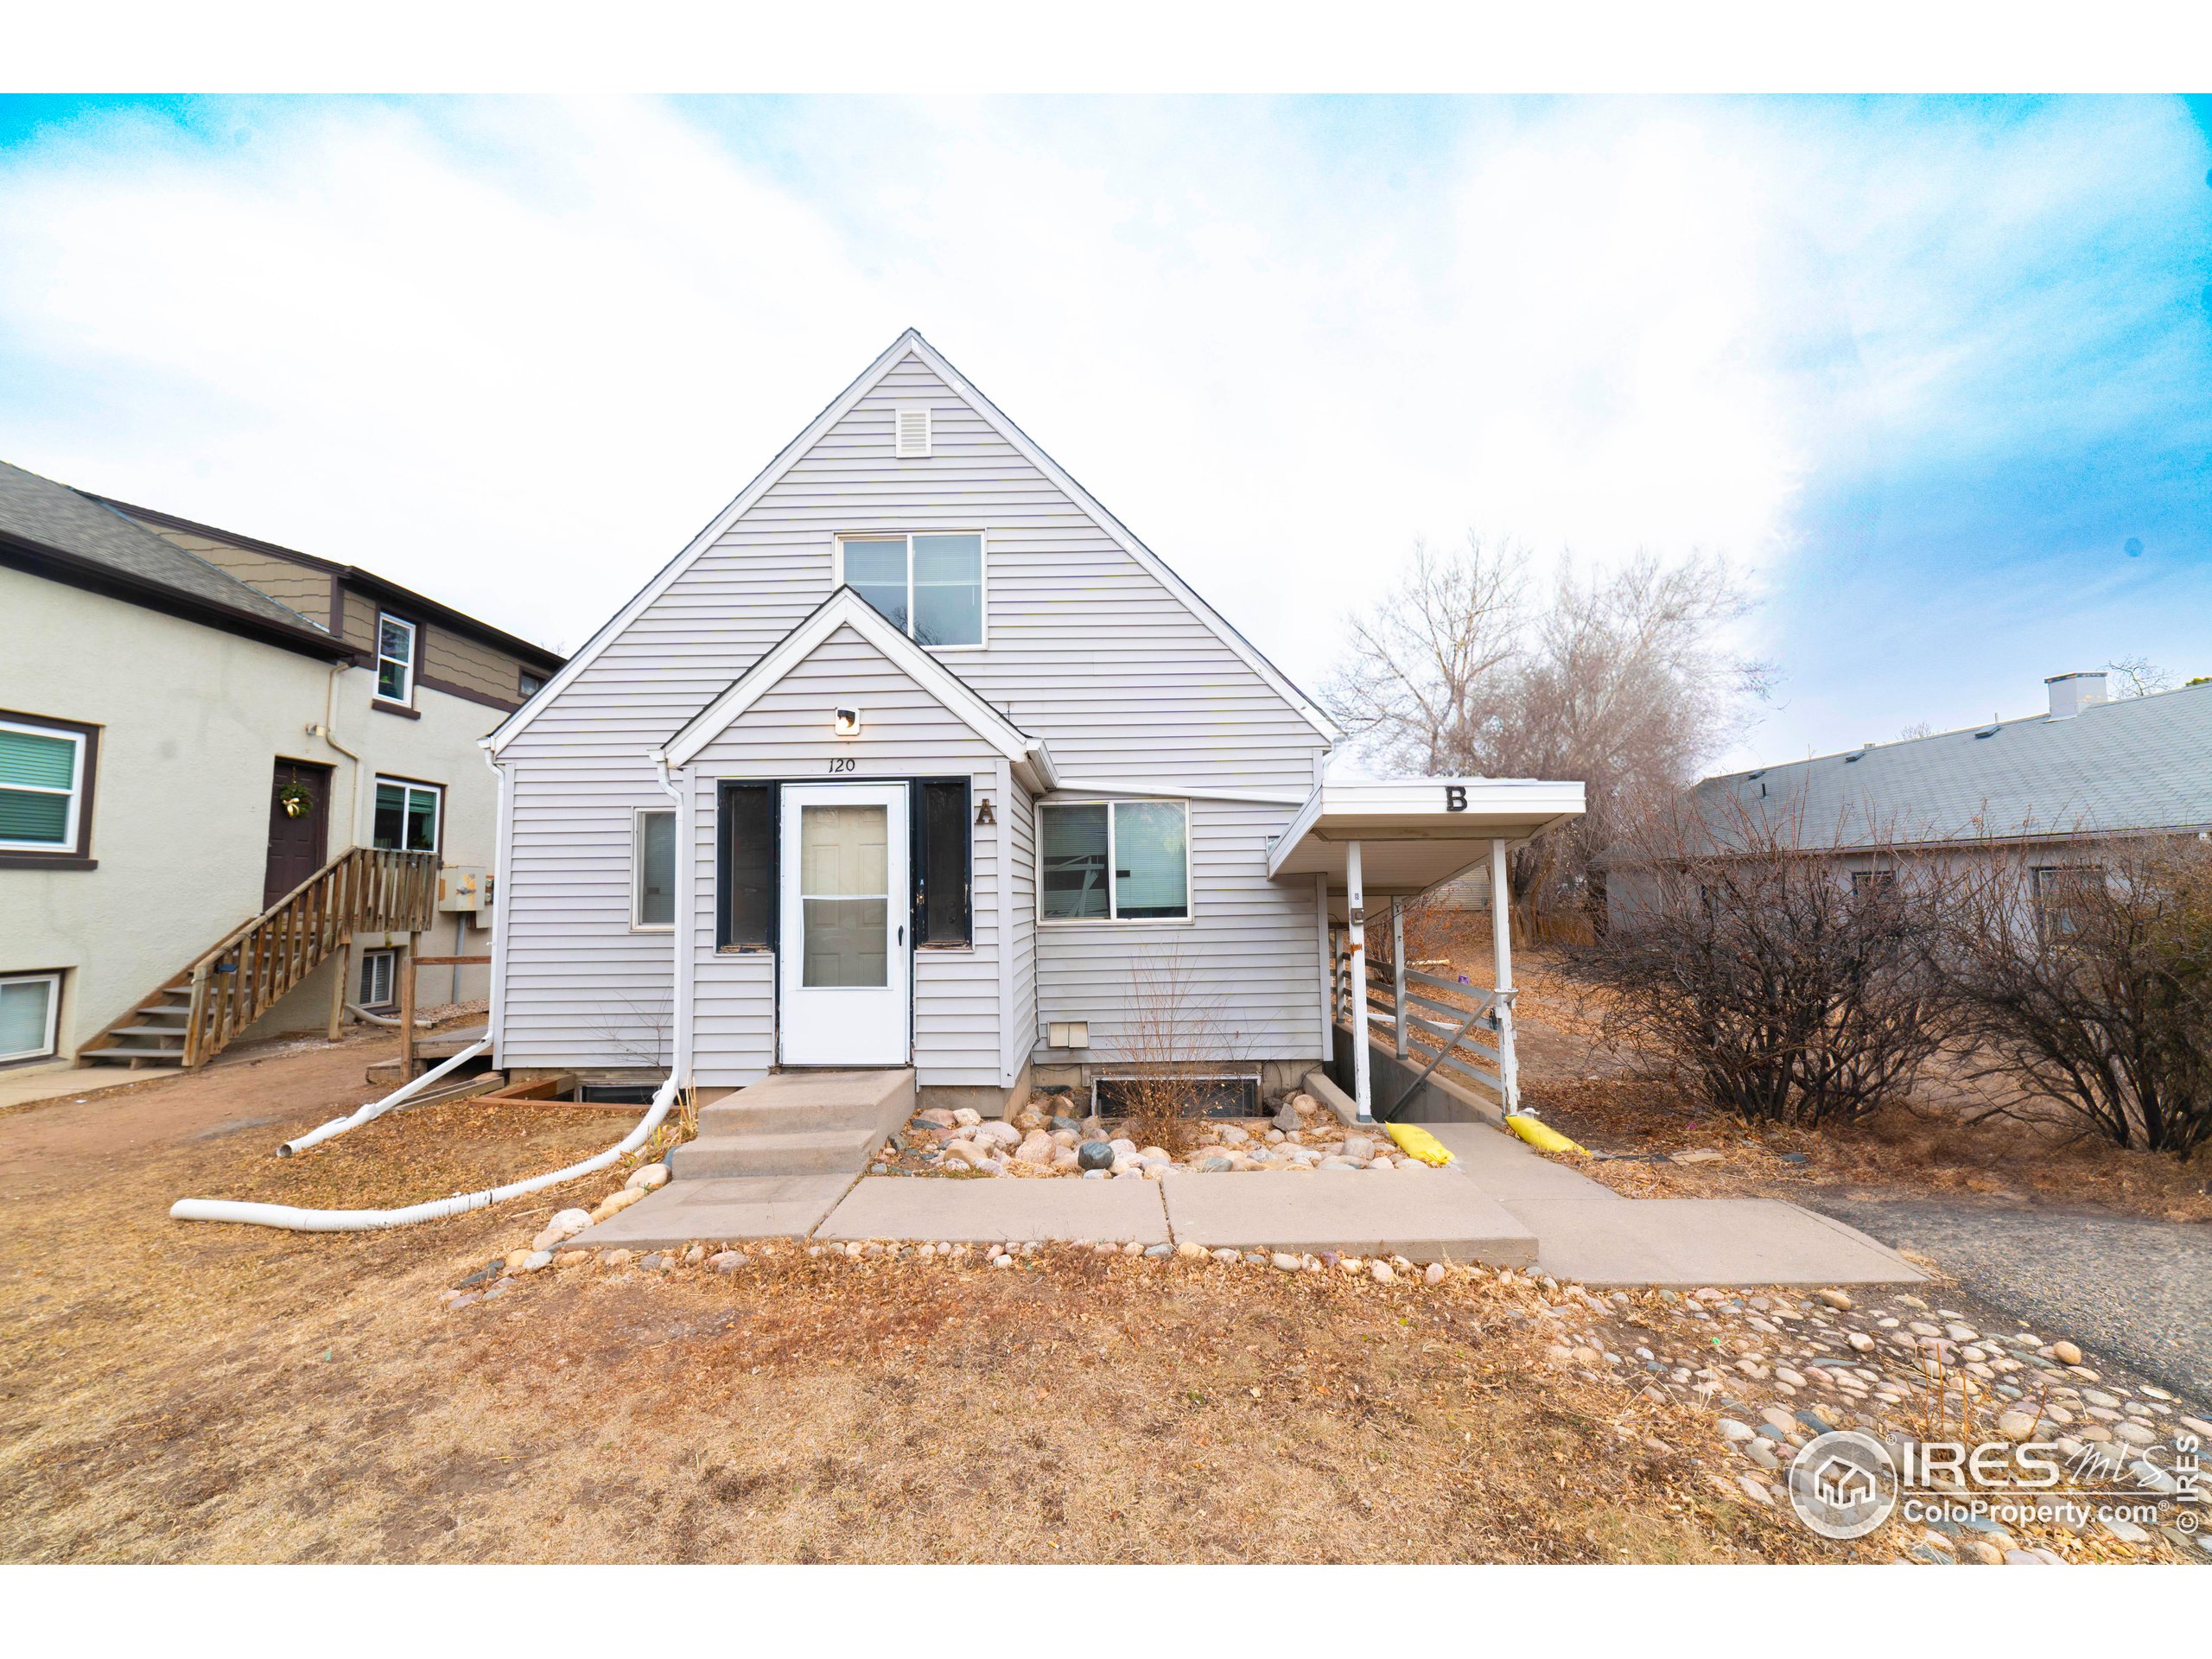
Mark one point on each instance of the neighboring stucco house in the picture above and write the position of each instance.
(193, 724)
(915, 755)
(2046, 788)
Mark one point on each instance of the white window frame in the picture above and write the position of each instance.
(390, 956)
(983, 573)
(437, 822)
(638, 924)
(1111, 919)
(68, 843)
(52, 980)
(413, 664)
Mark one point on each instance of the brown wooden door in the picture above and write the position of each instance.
(296, 843)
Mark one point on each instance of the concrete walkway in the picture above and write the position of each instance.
(1500, 1204)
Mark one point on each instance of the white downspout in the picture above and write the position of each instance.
(686, 867)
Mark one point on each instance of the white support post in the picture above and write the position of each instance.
(1355, 907)
(1501, 947)
(1398, 973)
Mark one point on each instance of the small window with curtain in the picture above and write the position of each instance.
(944, 836)
(929, 586)
(46, 773)
(652, 866)
(396, 640)
(745, 867)
(1113, 860)
(407, 815)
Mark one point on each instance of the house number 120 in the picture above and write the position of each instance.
(840, 762)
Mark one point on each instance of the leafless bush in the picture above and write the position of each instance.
(1772, 984)
(1175, 1034)
(2085, 984)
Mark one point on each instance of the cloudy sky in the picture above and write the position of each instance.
(1939, 375)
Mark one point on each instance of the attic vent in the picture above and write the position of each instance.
(913, 433)
(1988, 731)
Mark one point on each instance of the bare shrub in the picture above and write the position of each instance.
(1174, 1033)
(1770, 982)
(2085, 984)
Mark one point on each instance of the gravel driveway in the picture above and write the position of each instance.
(2140, 1291)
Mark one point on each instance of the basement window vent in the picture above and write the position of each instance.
(1209, 1097)
(913, 433)
(617, 1094)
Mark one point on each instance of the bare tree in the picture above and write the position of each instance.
(2139, 677)
(1770, 981)
(1622, 682)
(2085, 985)
(1418, 659)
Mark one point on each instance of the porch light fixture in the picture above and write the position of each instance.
(849, 723)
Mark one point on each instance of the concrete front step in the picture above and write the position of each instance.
(800, 1152)
(797, 1123)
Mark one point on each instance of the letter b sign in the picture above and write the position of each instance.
(1455, 797)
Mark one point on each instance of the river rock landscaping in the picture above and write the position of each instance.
(1041, 1143)
(1735, 1381)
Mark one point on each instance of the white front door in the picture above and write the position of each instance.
(845, 965)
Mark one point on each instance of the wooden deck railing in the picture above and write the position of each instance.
(364, 890)
(1465, 1031)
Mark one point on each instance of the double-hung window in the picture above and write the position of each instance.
(653, 869)
(396, 644)
(929, 586)
(46, 771)
(407, 816)
(30, 1008)
(1115, 861)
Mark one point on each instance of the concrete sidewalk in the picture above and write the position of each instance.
(979, 1210)
(1427, 1214)
(1499, 1204)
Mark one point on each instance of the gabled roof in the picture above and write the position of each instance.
(910, 342)
(2134, 765)
(847, 609)
(72, 536)
(369, 582)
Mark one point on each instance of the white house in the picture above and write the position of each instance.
(915, 755)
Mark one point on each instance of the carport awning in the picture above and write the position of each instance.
(1414, 832)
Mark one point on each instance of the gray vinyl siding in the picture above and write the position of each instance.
(1250, 940)
(582, 988)
(1085, 648)
(905, 733)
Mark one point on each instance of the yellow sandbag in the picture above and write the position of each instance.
(1542, 1136)
(1417, 1142)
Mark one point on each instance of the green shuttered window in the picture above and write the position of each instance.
(41, 787)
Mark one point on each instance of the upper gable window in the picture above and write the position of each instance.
(931, 587)
(395, 659)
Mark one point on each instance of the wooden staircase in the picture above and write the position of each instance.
(197, 1013)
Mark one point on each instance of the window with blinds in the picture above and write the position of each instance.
(42, 786)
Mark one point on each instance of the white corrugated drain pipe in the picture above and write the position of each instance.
(362, 1221)
(376, 1109)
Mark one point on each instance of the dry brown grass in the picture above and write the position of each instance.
(179, 1392)
(1939, 1142)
